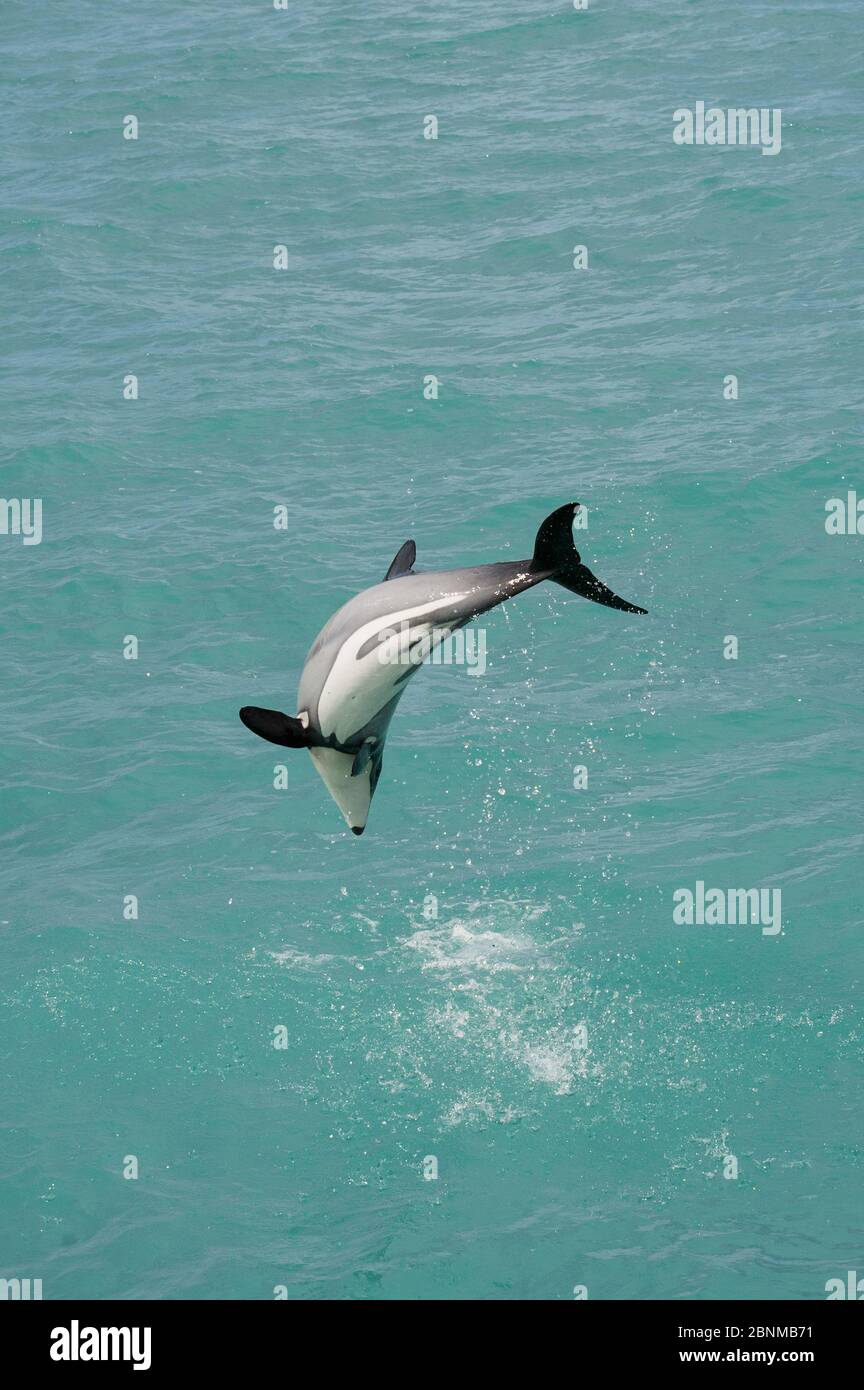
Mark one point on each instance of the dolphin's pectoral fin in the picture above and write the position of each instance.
(403, 561)
(365, 754)
(370, 755)
(277, 727)
(377, 760)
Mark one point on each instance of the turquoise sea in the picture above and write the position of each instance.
(491, 978)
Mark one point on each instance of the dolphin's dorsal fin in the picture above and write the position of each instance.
(403, 562)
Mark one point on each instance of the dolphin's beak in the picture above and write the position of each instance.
(580, 580)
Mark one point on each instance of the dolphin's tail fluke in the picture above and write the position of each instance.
(555, 553)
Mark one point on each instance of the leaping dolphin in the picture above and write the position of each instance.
(361, 661)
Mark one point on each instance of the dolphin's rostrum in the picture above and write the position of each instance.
(362, 659)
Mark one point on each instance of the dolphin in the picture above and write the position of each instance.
(362, 659)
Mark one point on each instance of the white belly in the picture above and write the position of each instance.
(352, 795)
(357, 688)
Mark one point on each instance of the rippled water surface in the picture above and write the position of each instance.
(491, 976)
